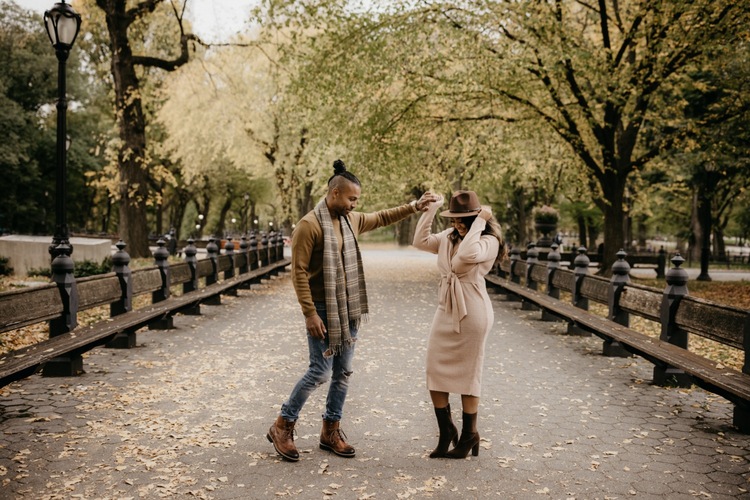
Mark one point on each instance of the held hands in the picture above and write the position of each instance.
(315, 326)
(423, 203)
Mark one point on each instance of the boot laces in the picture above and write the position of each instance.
(286, 432)
(338, 435)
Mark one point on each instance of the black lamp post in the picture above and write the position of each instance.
(62, 24)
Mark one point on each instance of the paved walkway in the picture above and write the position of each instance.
(185, 414)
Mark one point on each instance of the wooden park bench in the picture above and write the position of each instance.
(656, 261)
(678, 314)
(203, 282)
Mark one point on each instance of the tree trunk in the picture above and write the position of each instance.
(613, 186)
(134, 175)
(133, 187)
(719, 247)
(523, 233)
(180, 200)
(593, 236)
(582, 232)
(405, 231)
(253, 217)
(696, 230)
(703, 241)
(221, 229)
(133, 227)
(642, 232)
(159, 216)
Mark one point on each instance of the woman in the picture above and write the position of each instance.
(455, 351)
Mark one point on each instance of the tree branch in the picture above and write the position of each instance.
(141, 9)
(479, 118)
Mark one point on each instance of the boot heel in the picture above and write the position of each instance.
(475, 450)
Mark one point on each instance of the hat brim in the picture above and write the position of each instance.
(448, 213)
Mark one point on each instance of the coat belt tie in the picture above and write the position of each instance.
(453, 299)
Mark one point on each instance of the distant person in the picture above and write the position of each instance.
(330, 284)
(172, 242)
(558, 239)
(466, 252)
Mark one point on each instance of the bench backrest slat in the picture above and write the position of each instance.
(539, 273)
(98, 291)
(520, 269)
(714, 321)
(564, 279)
(205, 268)
(146, 280)
(595, 288)
(641, 301)
(179, 273)
(19, 308)
(225, 263)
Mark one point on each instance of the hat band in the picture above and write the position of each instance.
(465, 211)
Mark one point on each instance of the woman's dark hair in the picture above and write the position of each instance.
(339, 170)
(492, 228)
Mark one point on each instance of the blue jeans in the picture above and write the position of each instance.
(336, 368)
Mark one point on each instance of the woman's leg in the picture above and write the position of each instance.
(439, 399)
(470, 403)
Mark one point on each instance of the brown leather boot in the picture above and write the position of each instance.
(332, 438)
(281, 434)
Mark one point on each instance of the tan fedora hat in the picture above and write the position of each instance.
(462, 204)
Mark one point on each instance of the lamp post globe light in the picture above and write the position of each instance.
(62, 24)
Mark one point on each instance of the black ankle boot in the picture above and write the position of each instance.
(448, 432)
(469, 440)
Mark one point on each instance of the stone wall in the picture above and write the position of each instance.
(32, 252)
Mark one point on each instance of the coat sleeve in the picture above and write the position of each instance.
(369, 221)
(476, 248)
(303, 241)
(423, 237)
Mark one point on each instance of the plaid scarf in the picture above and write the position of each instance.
(344, 282)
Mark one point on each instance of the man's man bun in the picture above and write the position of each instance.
(338, 167)
(339, 170)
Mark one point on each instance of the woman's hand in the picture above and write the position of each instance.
(485, 213)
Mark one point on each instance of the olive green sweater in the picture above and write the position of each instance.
(307, 249)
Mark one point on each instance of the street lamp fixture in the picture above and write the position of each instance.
(62, 24)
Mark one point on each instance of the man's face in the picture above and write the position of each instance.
(345, 198)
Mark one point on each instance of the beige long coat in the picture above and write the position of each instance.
(464, 316)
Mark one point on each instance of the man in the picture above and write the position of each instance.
(329, 281)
